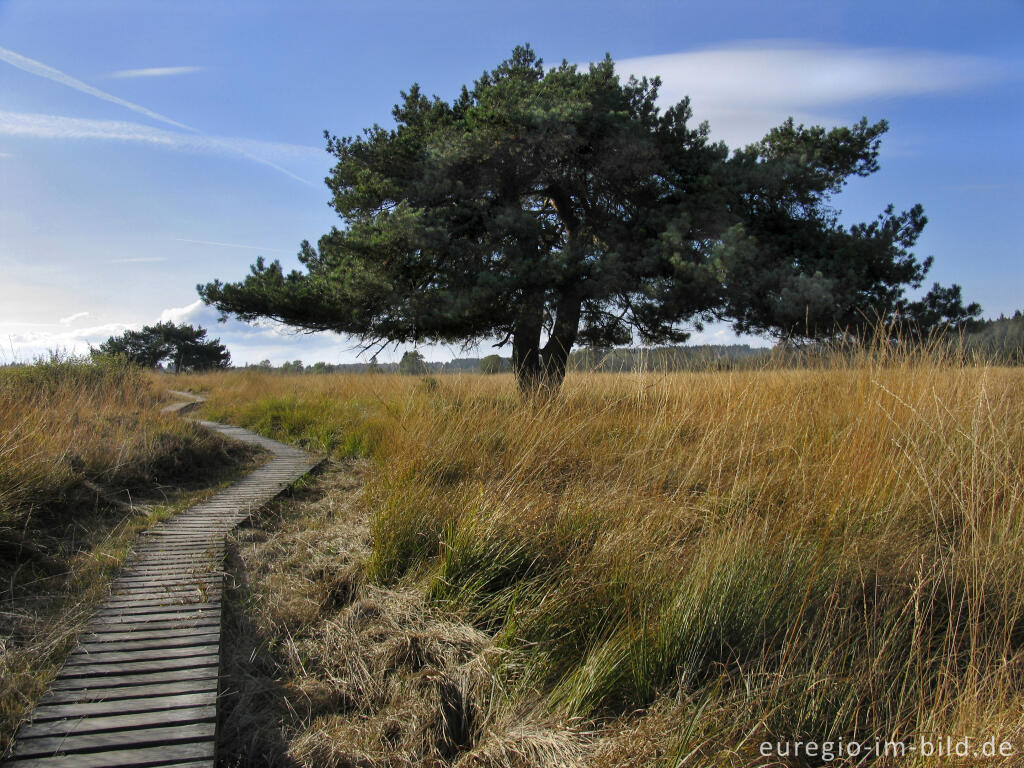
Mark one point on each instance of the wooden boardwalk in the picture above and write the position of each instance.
(140, 689)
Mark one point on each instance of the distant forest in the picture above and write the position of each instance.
(999, 341)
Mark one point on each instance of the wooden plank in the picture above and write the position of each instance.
(205, 624)
(151, 629)
(155, 584)
(165, 590)
(212, 579)
(152, 604)
(172, 558)
(116, 636)
(121, 758)
(159, 643)
(162, 613)
(129, 692)
(153, 589)
(89, 742)
(159, 547)
(162, 574)
(85, 658)
(159, 703)
(122, 681)
(144, 598)
(156, 610)
(167, 554)
(200, 564)
(201, 619)
(200, 570)
(93, 723)
(178, 575)
(99, 668)
(165, 602)
(178, 550)
(172, 602)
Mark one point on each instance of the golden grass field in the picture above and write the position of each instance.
(647, 570)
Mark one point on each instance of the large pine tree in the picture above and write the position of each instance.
(551, 207)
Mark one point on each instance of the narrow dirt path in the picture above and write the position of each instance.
(140, 688)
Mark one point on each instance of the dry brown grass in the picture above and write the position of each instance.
(666, 569)
(87, 461)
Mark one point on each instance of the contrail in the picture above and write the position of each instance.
(227, 245)
(155, 72)
(38, 68)
(60, 127)
(42, 70)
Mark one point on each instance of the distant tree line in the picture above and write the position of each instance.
(1000, 340)
(669, 358)
(183, 348)
(412, 363)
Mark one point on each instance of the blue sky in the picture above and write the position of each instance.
(148, 147)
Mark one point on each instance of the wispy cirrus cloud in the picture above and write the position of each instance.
(40, 126)
(42, 70)
(71, 318)
(745, 89)
(155, 72)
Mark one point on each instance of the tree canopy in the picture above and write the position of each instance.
(547, 208)
(183, 347)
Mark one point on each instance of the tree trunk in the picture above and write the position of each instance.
(540, 372)
(555, 354)
(526, 346)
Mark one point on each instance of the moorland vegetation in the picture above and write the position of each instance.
(652, 569)
(87, 461)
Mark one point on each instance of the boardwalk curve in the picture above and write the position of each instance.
(140, 688)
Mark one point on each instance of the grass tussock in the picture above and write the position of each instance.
(87, 461)
(663, 569)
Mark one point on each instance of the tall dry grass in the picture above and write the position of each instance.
(87, 461)
(694, 563)
(66, 424)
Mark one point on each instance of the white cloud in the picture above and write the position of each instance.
(155, 72)
(24, 342)
(38, 68)
(198, 313)
(71, 318)
(64, 128)
(187, 314)
(265, 339)
(743, 90)
(139, 260)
